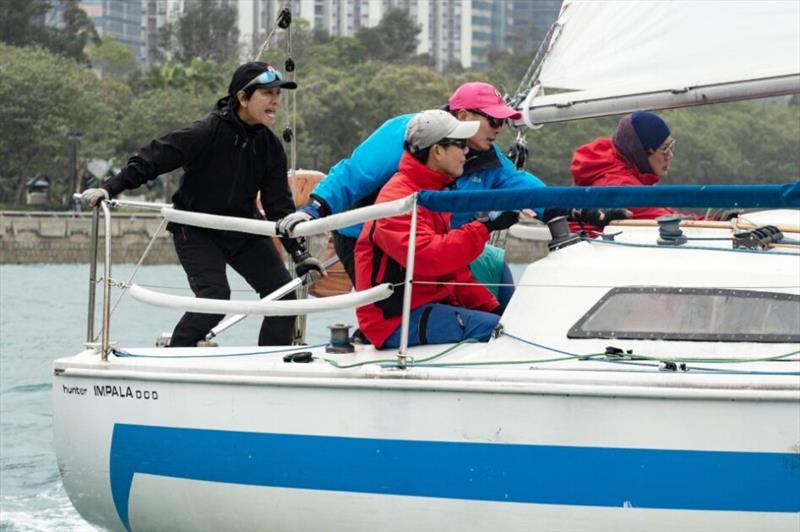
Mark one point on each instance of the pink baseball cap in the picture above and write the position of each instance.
(483, 97)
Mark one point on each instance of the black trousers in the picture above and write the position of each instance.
(346, 251)
(203, 254)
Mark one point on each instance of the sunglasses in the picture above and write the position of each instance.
(264, 78)
(458, 143)
(495, 123)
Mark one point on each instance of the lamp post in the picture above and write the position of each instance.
(315, 149)
(74, 137)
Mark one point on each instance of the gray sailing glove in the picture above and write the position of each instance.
(305, 213)
(92, 196)
(285, 225)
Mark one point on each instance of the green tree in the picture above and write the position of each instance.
(205, 30)
(112, 58)
(740, 142)
(44, 101)
(199, 76)
(394, 39)
(22, 24)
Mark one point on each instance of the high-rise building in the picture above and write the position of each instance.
(528, 22)
(121, 19)
(453, 32)
(488, 29)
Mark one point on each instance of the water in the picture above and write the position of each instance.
(43, 317)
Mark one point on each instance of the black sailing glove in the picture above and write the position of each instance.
(599, 217)
(503, 221)
(305, 263)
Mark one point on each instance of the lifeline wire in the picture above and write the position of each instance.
(720, 360)
(126, 354)
(699, 248)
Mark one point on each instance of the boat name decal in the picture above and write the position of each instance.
(124, 392)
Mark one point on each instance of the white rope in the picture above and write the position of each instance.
(267, 228)
(214, 221)
(265, 308)
(355, 216)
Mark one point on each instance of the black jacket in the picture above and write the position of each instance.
(225, 163)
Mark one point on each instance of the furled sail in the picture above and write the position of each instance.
(616, 57)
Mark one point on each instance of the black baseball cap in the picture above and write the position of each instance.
(258, 74)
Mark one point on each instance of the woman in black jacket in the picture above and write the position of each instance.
(228, 158)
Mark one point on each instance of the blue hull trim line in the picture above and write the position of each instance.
(543, 474)
(759, 196)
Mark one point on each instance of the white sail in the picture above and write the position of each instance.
(616, 57)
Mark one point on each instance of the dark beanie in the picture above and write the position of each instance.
(651, 130)
(637, 134)
(248, 71)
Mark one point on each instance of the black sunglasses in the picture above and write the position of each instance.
(459, 143)
(495, 123)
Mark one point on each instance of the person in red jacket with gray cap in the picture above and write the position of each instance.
(435, 150)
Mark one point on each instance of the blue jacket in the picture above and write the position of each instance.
(355, 182)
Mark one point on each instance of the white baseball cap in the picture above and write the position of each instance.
(429, 127)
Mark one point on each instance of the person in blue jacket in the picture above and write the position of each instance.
(355, 182)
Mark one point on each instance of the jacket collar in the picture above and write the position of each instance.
(480, 160)
(226, 111)
(422, 176)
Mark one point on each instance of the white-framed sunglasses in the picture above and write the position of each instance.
(264, 78)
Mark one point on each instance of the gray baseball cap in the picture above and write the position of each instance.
(429, 127)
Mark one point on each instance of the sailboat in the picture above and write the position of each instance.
(646, 379)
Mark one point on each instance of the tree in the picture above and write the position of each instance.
(22, 24)
(112, 58)
(44, 101)
(205, 30)
(199, 75)
(394, 39)
(745, 142)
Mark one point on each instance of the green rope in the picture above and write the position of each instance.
(686, 248)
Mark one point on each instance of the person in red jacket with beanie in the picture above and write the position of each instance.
(435, 152)
(639, 153)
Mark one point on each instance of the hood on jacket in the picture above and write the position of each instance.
(225, 109)
(600, 160)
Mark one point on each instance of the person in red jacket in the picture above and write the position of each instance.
(640, 153)
(434, 156)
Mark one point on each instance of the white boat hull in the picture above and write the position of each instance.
(171, 448)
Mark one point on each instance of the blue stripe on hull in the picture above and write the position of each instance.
(542, 474)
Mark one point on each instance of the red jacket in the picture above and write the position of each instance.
(441, 255)
(599, 164)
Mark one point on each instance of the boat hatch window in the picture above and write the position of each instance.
(694, 314)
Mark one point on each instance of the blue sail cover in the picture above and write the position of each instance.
(698, 196)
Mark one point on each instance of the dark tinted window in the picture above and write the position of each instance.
(701, 314)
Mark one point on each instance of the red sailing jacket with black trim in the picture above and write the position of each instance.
(598, 164)
(442, 255)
